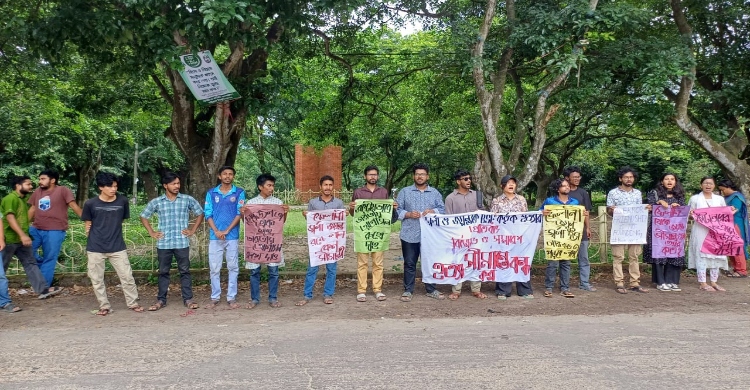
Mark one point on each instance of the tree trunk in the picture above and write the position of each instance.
(149, 185)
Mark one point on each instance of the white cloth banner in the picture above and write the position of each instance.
(326, 236)
(629, 224)
(479, 246)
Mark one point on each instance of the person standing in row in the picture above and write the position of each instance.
(222, 214)
(6, 305)
(464, 200)
(173, 210)
(573, 175)
(15, 209)
(266, 185)
(666, 271)
(561, 189)
(326, 201)
(414, 202)
(698, 260)
(733, 197)
(371, 190)
(510, 202)
(49, 213)
(103, 217)
(624, 195)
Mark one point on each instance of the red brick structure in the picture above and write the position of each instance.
(310, 164)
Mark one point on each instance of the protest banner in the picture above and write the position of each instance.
(563, 231)
(479, 246)
(668, 231)
(372, 225)
(264, 233)
(205, 79)
(722, 239)
(326, 236)
(629, 225)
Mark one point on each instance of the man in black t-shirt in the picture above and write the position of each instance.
(573, 176)
(103, 216)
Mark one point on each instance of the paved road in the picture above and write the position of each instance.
(656, 351)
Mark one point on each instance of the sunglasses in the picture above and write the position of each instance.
(466, 178)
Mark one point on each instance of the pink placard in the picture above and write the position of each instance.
(668, 231)
(264, 233)
(722, 239)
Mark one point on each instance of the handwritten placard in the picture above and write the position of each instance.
(326, 236)
(629, 224)
(563, 231)
(264, 233)
(479, 246)
(722, 239)
(668, 231)
(372, 225)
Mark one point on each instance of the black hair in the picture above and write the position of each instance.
(704, 178)
(169, 177)
(554, 187)
(417, 166)
(105, 179)
(625, 170)
(678, 192)
(460, 173)
(371, 168)
(728, 184)
(52, 174)
(504, 181)
(571, 169)
(225, 167)
(263, 178)
(17, 181)
(326, 177)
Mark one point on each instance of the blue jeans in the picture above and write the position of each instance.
(216, 252)
(273, 284)
(51, 242)
(584, 267)
(549, 278)
(411, 252)
(328, 288)
(4, 298)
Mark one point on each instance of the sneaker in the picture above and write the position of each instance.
(664, 287)
(674, 287)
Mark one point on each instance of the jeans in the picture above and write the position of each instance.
(4, 297)
(51, 242)
(30, 267)
(217, 249)
(182, 255)
(505, 288)
(584, 267)
(411, 251)
(328, 288)
(549, 278)
(273, 284)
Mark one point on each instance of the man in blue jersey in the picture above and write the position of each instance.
(222, 213)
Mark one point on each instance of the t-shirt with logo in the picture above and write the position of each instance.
(51, 208)
(106, 219)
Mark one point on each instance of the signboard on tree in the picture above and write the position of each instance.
(205, 79)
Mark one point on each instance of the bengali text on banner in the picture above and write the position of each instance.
(326, 236)
(372, 225)
(264, 233)
(563, 231)
(722, 239)
(668, 231)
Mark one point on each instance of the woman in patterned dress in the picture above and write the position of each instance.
(696, 259)
(665, 271)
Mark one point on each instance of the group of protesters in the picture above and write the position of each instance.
(38, 220)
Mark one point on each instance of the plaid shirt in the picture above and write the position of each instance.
(174, 217)
(411, 199)
(261, 200)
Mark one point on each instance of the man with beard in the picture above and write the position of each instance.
(573, 176)
(414, 202)
(561, 189)
(624, 195)
(15, 209)
(371, 190)
(49, 213)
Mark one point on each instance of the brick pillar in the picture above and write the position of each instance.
(311, 164)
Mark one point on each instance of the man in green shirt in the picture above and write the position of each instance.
(15, 209)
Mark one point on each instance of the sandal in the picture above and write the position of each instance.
(137, 308)
(233, 305)
(302, 302)
(275, 304)
(529, 296)
(502, 298)
(621, 290)
(707, 288)
(718, 288)
(10, 308)
(547, 294)
(639, 289)
(328, 300)
(156, 306)
(211, 305)
(191, 305)
(567, 294)
(251, 304)
(361, 298)
(479, 295)
(454, 296)
(435, 294)
(406, 297)
(380, 296)
(103, 312)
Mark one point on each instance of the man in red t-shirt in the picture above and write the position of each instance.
(49, 212)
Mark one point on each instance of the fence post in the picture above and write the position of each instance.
(603, 240)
